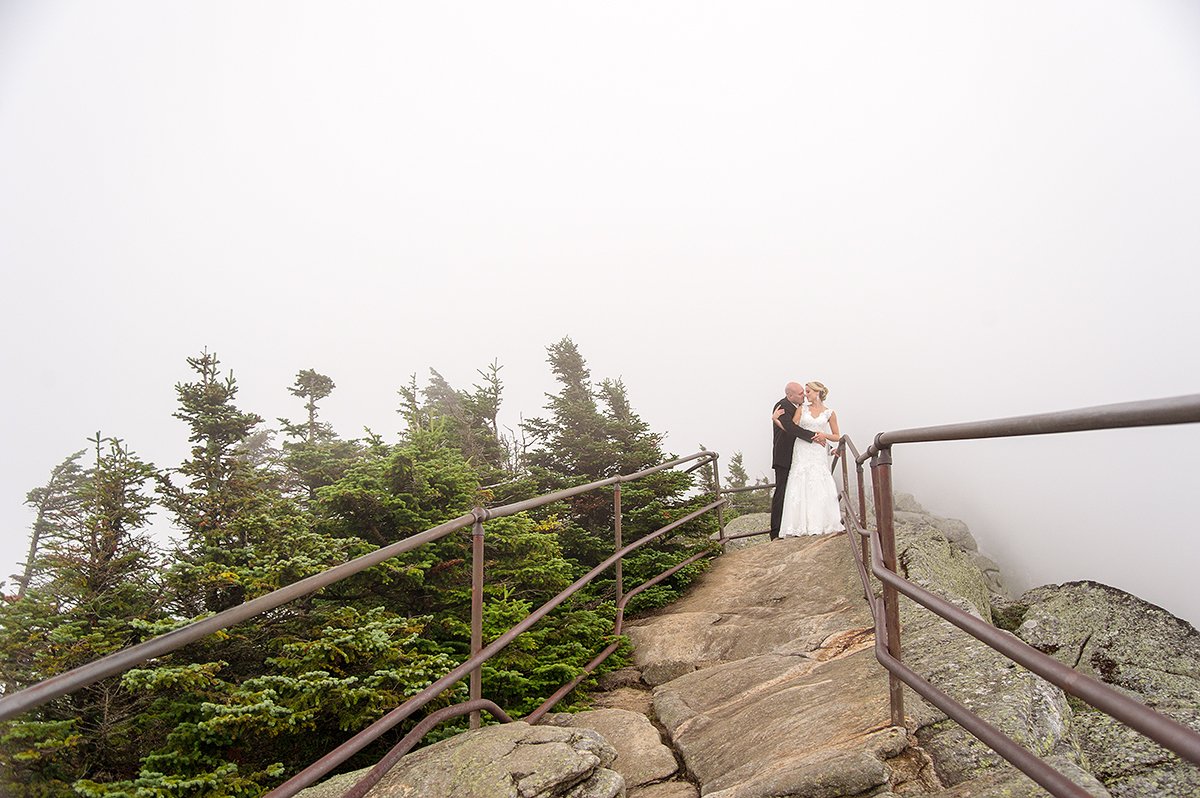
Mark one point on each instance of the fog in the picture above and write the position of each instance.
(946, 211)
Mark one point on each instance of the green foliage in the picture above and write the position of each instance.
(314, 456)
(93, 570)
(234, 713)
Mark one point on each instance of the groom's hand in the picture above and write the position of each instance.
(819, 437)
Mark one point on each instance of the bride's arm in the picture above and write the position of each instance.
(835, 434)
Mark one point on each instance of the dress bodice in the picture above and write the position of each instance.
(818, 423)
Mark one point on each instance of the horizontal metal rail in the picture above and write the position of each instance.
(121, 661)
(1144, 413)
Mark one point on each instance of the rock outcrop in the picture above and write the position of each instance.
(1135, 646)
(1106, 633)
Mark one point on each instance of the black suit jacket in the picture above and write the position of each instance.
(781, 444)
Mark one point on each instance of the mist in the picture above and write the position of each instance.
(945, 211)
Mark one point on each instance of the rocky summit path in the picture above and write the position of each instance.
(764, 680)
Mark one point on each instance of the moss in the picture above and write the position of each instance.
(1009, 615)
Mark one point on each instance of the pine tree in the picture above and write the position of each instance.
(221, 505)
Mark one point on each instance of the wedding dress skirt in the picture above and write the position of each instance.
(810, 505)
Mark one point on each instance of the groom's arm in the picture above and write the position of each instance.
(789, 425)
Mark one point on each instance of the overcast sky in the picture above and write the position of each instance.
(945, 211)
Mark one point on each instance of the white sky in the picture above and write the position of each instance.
(945, 211)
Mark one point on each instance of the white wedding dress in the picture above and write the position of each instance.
(810, 505)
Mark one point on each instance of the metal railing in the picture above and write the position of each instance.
(881, 562)
(118, 662)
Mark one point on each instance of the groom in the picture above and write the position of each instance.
(785, 433)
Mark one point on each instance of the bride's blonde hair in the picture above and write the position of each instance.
(819, 387)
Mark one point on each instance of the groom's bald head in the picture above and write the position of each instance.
(794, 392)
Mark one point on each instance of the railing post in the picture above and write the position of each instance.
(862, 514)
(617, 539)
(476, 611)
(716, 486)
(881, 477)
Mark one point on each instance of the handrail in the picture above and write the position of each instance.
(1144, 413)
(120, 661)
(1174, 736)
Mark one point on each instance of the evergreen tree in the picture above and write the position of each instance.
(55, 503)
(754, 501)
(221, 505)
(593, 433)
(573, 444)
(315, 456)
(95, 592)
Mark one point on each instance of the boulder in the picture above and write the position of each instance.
(951, 529)
(750, 522)
(512, 760)
(641, 756)
(1137, 647)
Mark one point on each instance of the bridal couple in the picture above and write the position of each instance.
(805, 500)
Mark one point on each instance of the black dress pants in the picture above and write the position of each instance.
(781, 476)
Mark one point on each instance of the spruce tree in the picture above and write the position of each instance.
(314, 456)
(96, 591)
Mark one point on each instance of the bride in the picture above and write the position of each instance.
(810, 505)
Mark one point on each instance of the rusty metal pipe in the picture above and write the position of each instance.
(619, 571)
(881, 475)
(1145, 413)
(476, 613)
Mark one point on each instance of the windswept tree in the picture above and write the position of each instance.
(314, 456)
(96, 590)
(220, 503)
(591, 433)
(469, 421)
(56, 503)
